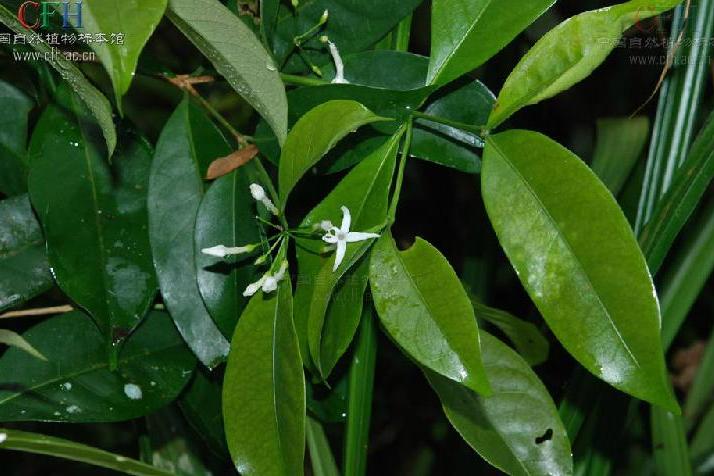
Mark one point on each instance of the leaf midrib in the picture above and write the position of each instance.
(580, 266)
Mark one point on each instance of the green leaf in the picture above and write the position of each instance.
(188, 143)
(620, 142)
(172, 446)
(353, 25)
(227, 217)
(574, 252)
(237, 55)
(314, 135)
(201, 404)
(466, 33)
(449, 146)
(568, 54)
(328, 304)
(702, 388)
(13, 139)
(48, 445)
(702, 445)
(264, 389)
(76, 385)
(96, 102)
(424, 308)
(13, 339)
(690, 183)
(120, 60)
(323, 463)
(671, 454)
(517, 429)
(94, 218)
(24, 270)
(383, 69)
(526, 338)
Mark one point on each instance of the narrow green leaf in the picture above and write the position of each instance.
(236, 54)
(352, 25)
(96, 102)
(323, 463)
(24, 270)
(76, 385)
(328, 303)
(671, 454)
(120, 60)
(49, 445)
(702, 390)
(568, 54)
(575, 252)
(620, 142)
(227, 217)
(314, 135)
(702, 445)
(466, 33)
(264, 389)
(517, 428)
(13, 339)
(447, 145)
(525, 336)
(424, 308)
(94, 217)
(690, 183)
(13, 139)
(188, 143)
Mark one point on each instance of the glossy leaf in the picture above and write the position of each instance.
(264, 389)
(575, 252)
(172, 448)
(383, 69)
(24, 270)
(425, 310)
(328, 303)
(671, 454)
(13, 139)
(96, 102)
(236, 54)
(517, 428)
(76, 385)
(568, 54)
(525, 336)
(120, 60)
(188, 143)
(353, 25)
(466, 33)
(49, 445)
(447, 145)
(314, 135)
(94, 218)
(227, 216)
(673, 210)
(620, 142)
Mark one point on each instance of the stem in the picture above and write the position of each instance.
(403, 33)
(42, 311)
(242, 140)
(302, 80)
(61, 448)
(478, 130)
(361, 385)
(392, 215)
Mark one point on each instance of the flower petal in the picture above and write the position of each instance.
(330, 238)
(346, 219)
(339, 254)
(359, 236)
(252, 288)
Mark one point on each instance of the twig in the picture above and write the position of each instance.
(42, 311)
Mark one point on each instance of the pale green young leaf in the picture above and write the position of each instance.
(13, 339)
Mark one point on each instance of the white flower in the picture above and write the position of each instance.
(342, 235)
(221, 251)
(268, 282)
(326, 225)
(259, 195)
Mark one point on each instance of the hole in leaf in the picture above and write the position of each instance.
(547, 436)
